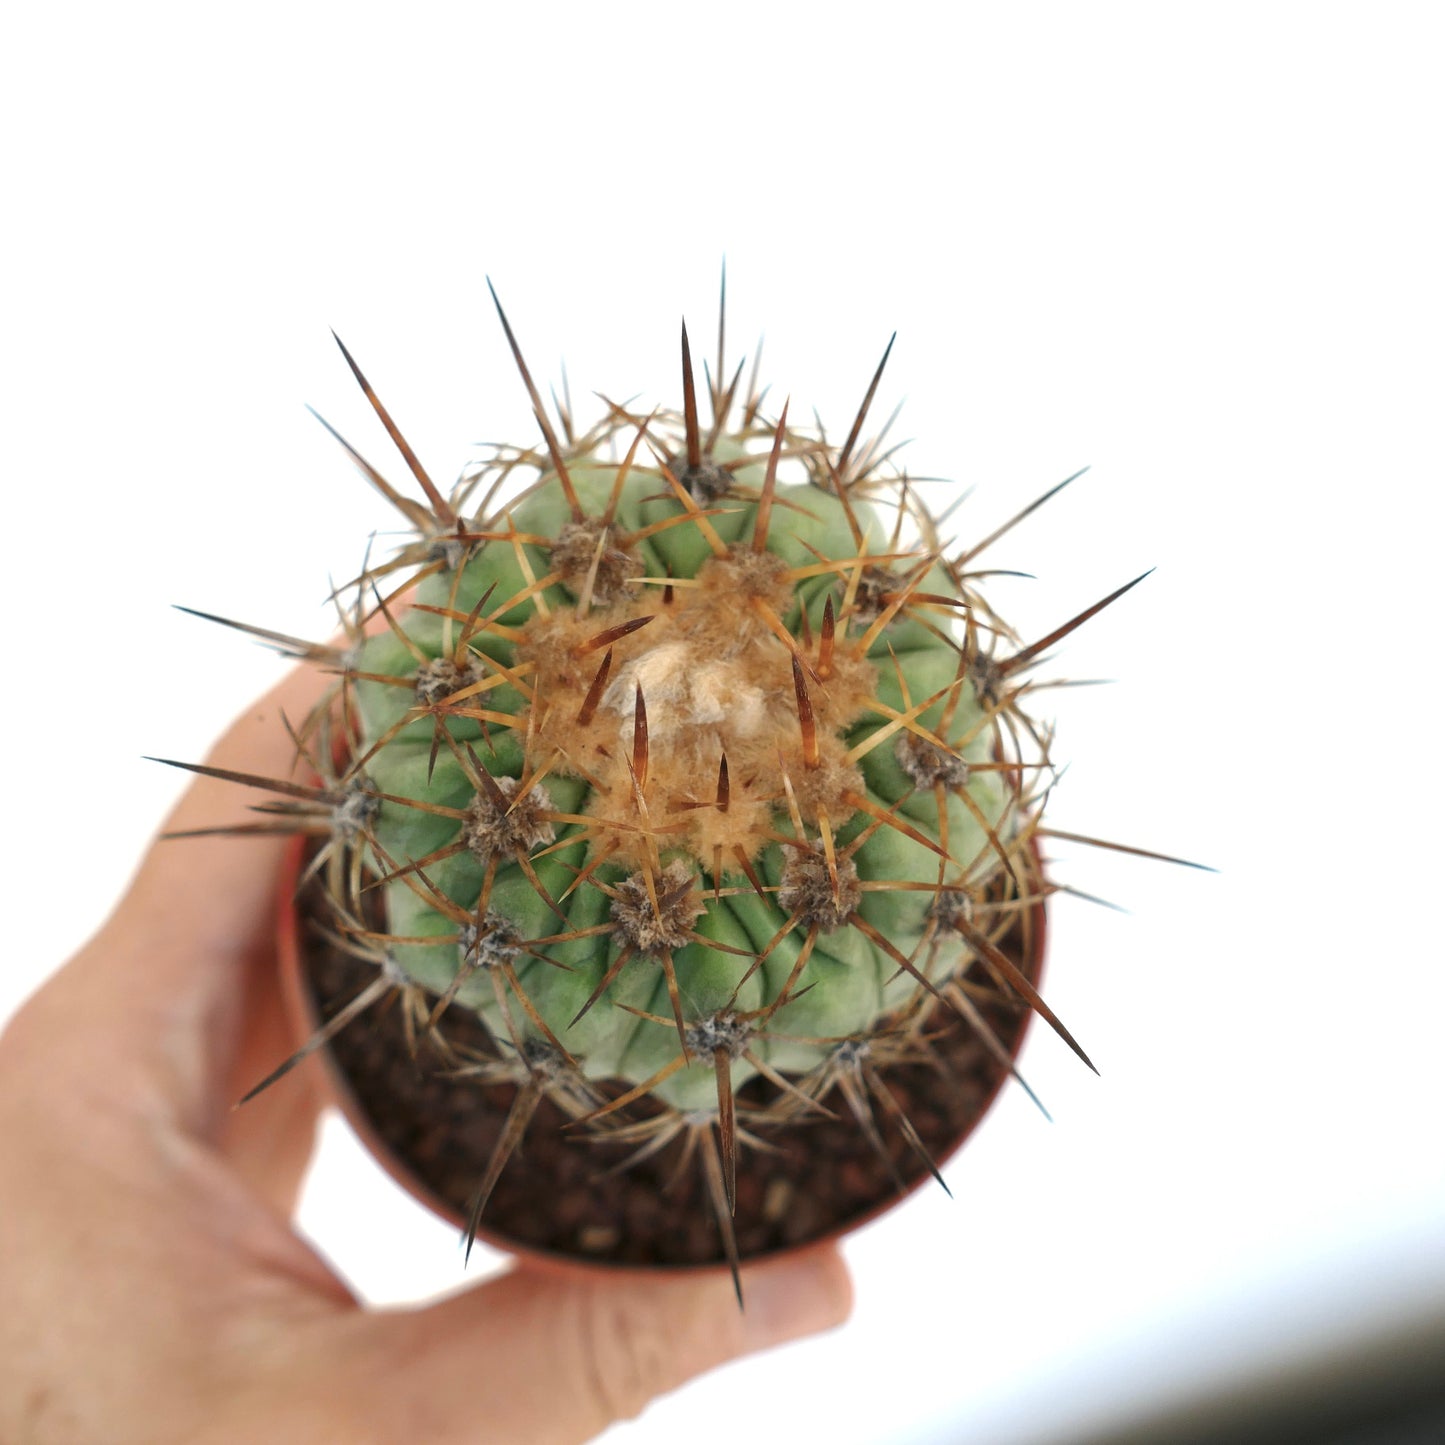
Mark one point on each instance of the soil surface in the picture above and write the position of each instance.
(556, 1194)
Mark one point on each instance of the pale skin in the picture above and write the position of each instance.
(154, 1289)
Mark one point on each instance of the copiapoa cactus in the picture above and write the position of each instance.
(682, 752)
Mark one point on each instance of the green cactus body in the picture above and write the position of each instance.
(665, 865)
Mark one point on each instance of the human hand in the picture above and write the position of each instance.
(154, 1290)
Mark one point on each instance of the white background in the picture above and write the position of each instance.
(1198, 247)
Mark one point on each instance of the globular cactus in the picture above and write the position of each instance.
(682, 752)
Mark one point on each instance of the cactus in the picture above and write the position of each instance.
(681, 752)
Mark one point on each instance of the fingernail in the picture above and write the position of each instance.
(801, 1295)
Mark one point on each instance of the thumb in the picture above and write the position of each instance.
(552, 1357)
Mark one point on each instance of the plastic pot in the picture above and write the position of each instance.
(561, 1196)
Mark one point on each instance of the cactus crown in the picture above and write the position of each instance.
(682, 753)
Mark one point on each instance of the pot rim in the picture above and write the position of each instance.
(301, 1010)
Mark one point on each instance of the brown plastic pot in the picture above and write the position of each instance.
(559, 1199)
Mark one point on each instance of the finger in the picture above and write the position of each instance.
(190, 891)
(269, 1141)
(555, 1356)
(160, 991)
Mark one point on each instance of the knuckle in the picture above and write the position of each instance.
(624, 1353)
